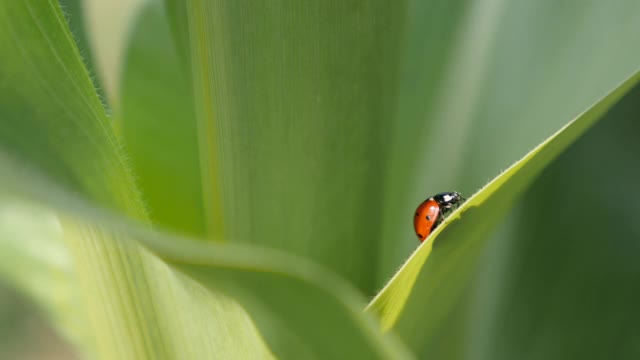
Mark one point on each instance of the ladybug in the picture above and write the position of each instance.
(431, 212)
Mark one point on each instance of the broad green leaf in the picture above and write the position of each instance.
(158, 126)
(177, 318)
(51, 118)
(44, 86)
(421, 294)
(299, 307)
(36, 261)
(294, 99)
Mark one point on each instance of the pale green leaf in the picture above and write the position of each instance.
(298, 307)
(36, 261)
(50, 117)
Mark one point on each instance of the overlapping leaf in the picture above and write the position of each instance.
(58, 148)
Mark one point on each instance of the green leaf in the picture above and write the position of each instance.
(45, 86)
(292, 121)
(299, 307)
(508, 84)
(158, 125)
(51, 118)
(421, 294)
(176, 11)
(163, 313)
(76, 19)
(35, 260)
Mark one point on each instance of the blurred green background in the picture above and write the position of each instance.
(481, 84)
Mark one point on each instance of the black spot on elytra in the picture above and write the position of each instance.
(428, 218)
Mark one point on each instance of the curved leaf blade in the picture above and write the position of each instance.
(288, 297)
(49, 109)
(421, 293)
(573, 280)
(507, 83)
(51, 118)
(36, 261)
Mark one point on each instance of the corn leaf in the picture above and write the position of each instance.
(36, 260)
(292, 116)
(58, 148)
(422, 293)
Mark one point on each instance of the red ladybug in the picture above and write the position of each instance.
(432, 211)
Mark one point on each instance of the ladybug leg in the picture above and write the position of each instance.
(439, 221)
(447, 209)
